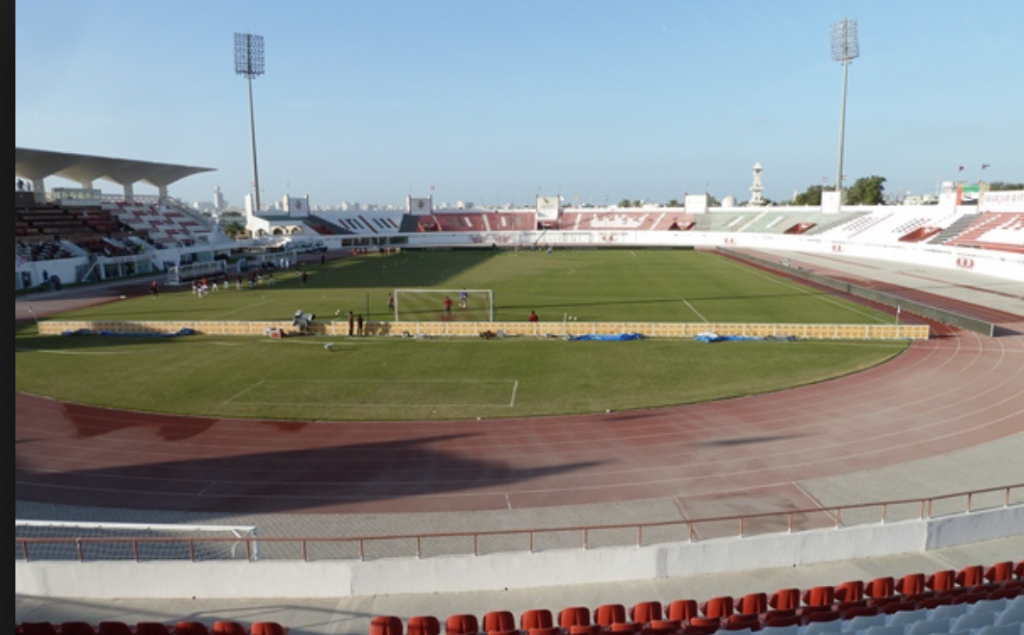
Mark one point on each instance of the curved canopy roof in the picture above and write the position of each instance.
(36, 165)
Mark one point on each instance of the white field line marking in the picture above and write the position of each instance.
(633, 254)
(825, 297)
(234, 400)
(687, 303)
(244, 308)
(42, 350)
(250, 388)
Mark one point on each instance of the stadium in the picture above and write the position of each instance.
(634, 520)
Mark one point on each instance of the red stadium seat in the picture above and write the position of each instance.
(38, 628)
(721, 606)
(646, 612)
(911, 584)
(782, 620)
(191, 627)
(227, 627)
(497, 621)
(423, 625)
(77, 628)
(665, 627)
(112, 627)
(574, 616)
(880, 588)
(819, 597)
(462, 624)
(682, 610)
(860, 611)
(751, 603)
(535, 618)
(608, 614)
(386, 625)
(821, 616)
(1000, 572)
(941, 581)
(785, 599)
(896, 607)
(584, 629)
(264, 627)
(970, 576)
(852, 591)
(152, 628)
(740, 621)
(703, 625)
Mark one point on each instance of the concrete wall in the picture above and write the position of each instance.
(297, 579)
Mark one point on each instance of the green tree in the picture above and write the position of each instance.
(867, 190)
(810, 196)
(1000, 186)
(673, 203)
(234, 229)
(625, 203)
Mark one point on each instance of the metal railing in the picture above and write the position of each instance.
(319, 548)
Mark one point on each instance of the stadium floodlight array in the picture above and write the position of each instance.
(91, 541)
(427, 305)
(249, 64)
(845, 49)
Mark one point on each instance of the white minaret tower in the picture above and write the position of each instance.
(756, 188)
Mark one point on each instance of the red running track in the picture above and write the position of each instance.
(944, 394)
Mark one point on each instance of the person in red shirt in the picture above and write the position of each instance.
(533, 316)
(447, 305)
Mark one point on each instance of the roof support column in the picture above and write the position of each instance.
(39, 190)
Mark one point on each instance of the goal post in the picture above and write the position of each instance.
(438, 305)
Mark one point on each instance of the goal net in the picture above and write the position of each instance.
(434, 305)
(92, 541)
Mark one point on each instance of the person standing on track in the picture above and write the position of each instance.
(447, 305)
(463, 299)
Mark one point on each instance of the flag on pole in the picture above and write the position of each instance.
(985, 165)
(897, 314)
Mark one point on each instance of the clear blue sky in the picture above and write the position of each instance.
(496, 101)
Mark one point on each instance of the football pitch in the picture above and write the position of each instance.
(328, 379)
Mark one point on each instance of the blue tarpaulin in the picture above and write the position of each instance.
(714, 337)
(608, 338)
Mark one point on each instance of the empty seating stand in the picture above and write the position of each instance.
(992, 605)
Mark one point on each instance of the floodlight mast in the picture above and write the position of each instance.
(844, 49)
(249, 64)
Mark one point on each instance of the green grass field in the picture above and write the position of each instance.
(297, 378)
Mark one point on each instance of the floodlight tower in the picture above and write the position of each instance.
(249, 63)
(845, 50)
